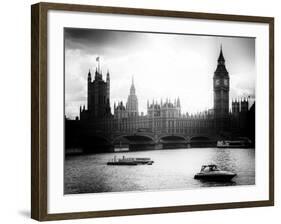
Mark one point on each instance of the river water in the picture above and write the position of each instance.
(172, 169)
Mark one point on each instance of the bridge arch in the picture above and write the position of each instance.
(134, 138)
(171, 137)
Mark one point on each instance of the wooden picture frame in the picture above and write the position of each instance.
(39, 109)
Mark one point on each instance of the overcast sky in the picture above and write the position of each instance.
(163, 66)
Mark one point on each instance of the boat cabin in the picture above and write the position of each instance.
(208, 168)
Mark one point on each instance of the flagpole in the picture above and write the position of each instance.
(98, 60)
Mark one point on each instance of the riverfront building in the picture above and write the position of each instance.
(165, 117)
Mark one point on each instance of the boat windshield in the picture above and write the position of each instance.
(209, 168)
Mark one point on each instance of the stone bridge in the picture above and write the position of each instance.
(152, 138)
(91, 137)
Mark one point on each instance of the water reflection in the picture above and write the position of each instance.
(173, 169)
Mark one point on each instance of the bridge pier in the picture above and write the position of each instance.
(145, 146)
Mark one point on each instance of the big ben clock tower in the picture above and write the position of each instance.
(221, 95)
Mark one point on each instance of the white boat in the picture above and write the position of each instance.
(233, 144)
(130, 161)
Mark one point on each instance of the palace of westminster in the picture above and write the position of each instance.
(166, 116)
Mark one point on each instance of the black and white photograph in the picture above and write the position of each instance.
(148, 111)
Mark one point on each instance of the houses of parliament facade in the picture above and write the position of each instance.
(166, 116)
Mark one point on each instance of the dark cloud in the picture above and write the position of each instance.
(101, 42)
(98, 36)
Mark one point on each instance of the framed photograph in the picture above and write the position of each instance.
(140, 111)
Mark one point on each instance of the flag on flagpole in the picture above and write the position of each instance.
(97, 58)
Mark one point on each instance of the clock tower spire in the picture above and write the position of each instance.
(221, 94)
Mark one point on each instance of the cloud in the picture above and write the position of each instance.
(163, 66)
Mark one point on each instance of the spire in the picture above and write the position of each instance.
(178, 102)
(221, 60)
(108, 86)
(221, 71)
(89, 76)
(96, 74)
(107, 75)
(133, 84)
(132, 90)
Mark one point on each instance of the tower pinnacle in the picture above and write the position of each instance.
(89, 76)
(107, 76)
(132, 89)
(132, 102)
(221, 60)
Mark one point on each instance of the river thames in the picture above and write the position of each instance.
(172, 169)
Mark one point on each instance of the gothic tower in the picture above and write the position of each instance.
(98, 95)
(132, 102)
(221, 95)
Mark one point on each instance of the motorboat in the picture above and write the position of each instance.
(213, 173)
(130, 161)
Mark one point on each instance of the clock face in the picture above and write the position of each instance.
(225, 81)
(217, 82)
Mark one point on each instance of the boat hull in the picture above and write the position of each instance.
(215, 177)
(122, 164)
